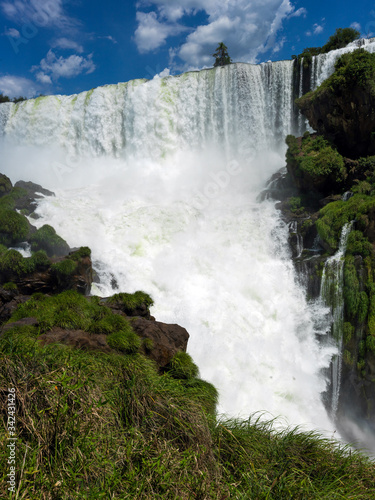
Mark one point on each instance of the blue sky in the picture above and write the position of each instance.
(67, 46)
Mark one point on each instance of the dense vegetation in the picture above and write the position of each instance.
(338, 40)
(352, 70)
(342, 109)
(5, 98)
(314, 163)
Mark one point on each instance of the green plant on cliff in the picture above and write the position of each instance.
(130, 302)
(335, 215)
(14, 227)
(341, 38)
(314, 163)
(63, 271)
(45, 238)
(354, 69)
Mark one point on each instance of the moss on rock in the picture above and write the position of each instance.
(14, 227)
(45, 238)
(5, 185)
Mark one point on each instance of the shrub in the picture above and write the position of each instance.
(80, 253)
(340, 39)
(314, 164)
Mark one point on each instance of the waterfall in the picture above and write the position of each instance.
(160, 178)
(332, 295)
(243, 107)
(301, 119)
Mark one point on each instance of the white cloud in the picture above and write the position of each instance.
(356, 26)
(173, 10)
(15, 86)
(298, 13)
(65, 43)
(55, 67)
(45, 13)
(12, 32)
(43, 78)
(247, 28)
(151, 33)
(316, 29)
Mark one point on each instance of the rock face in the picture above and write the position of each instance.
(32, 193)
(347, 120)
(343, 107)
(167, 340)
(52, 279)
(76, 338)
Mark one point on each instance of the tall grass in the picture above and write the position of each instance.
(92, 425)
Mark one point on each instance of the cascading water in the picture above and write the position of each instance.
(160, 179)
(332, 295)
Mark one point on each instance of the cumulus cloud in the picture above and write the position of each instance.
(247, 28)
(151, 33)
(43, 78)
(15, 86)
(65, 43)
(53, 67)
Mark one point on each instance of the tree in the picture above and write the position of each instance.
(341, 38)
(221, 55)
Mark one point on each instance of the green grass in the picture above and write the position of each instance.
(130, 302)
(92, 425)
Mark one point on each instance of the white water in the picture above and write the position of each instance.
(332, 295)
(160, 179)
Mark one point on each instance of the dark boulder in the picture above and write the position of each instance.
(166, 339)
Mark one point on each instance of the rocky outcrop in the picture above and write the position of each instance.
(31, 194)
(347, 120)
(166, 339)
(343, 107)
